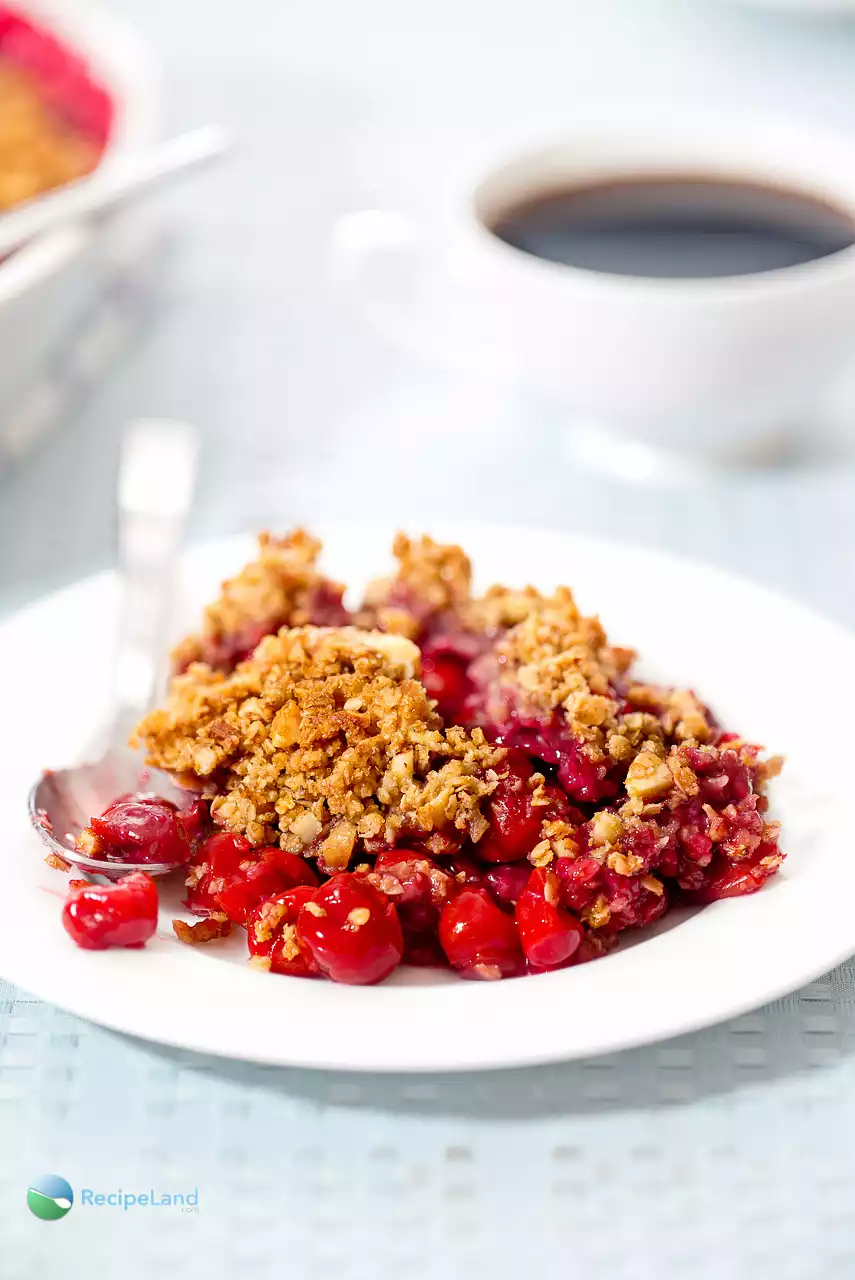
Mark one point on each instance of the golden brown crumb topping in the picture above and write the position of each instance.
(432, 577)
(554, 658)
(38, 151)
(501, 608)
(550, 657)
(683, 717)
(323, 736)
(559, 657)
(277, 588)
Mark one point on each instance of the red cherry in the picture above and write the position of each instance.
(271, 932)
(123, 914)
(142, 829)
(352, 930)
(325, 606)
(412, 878)
(444, 677)
(581, 778)
(419, 889)
(195, 820)
(478, 938)
(274, 872)
(549, 934)
(506, 881)
(514, 821)
(217, 863)
(735, 879)
(467, 871)
(226, 651)
(580, 881)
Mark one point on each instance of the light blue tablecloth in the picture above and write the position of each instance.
(723, 1153)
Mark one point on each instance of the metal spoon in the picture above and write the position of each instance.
(156, 480)
(114, 183)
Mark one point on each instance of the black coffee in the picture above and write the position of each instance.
(679, 227)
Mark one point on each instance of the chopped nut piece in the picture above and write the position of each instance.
(89, 843)
(334, 852)
(401, 653)
(285, 729)
(598, 913)
(539, 795)
(550, 888)
(306, 828)
(358, 917)
(202, 931)
(625, 864)
(58, 863)
(770, 768)
(648, 777)
(605, 827)
(683, 774)
(541, 855)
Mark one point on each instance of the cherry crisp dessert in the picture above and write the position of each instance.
(432, 778)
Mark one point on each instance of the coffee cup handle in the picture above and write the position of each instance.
(374, 259)
(382, 261)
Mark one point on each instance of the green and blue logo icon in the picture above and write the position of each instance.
(50, 1197)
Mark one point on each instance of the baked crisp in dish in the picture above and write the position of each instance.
(436, 777)
(55, 118)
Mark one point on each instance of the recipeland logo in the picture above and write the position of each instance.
(188, 1201)
(50, 1197)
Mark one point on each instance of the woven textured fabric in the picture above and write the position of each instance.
(726, 1152)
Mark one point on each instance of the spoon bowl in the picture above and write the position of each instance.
(62, 802)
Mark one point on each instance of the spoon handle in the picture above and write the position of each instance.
(112, 184)
(157, 475)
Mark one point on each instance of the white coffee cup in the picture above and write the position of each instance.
(712, 367)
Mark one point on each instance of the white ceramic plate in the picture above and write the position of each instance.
(769, 668)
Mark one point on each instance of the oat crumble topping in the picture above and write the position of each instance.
(279, 588)
(432, 579)
(323, 732)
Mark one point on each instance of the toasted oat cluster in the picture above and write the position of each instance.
(432, 581)
(282, 587)
(323, 737)
(474, 781)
